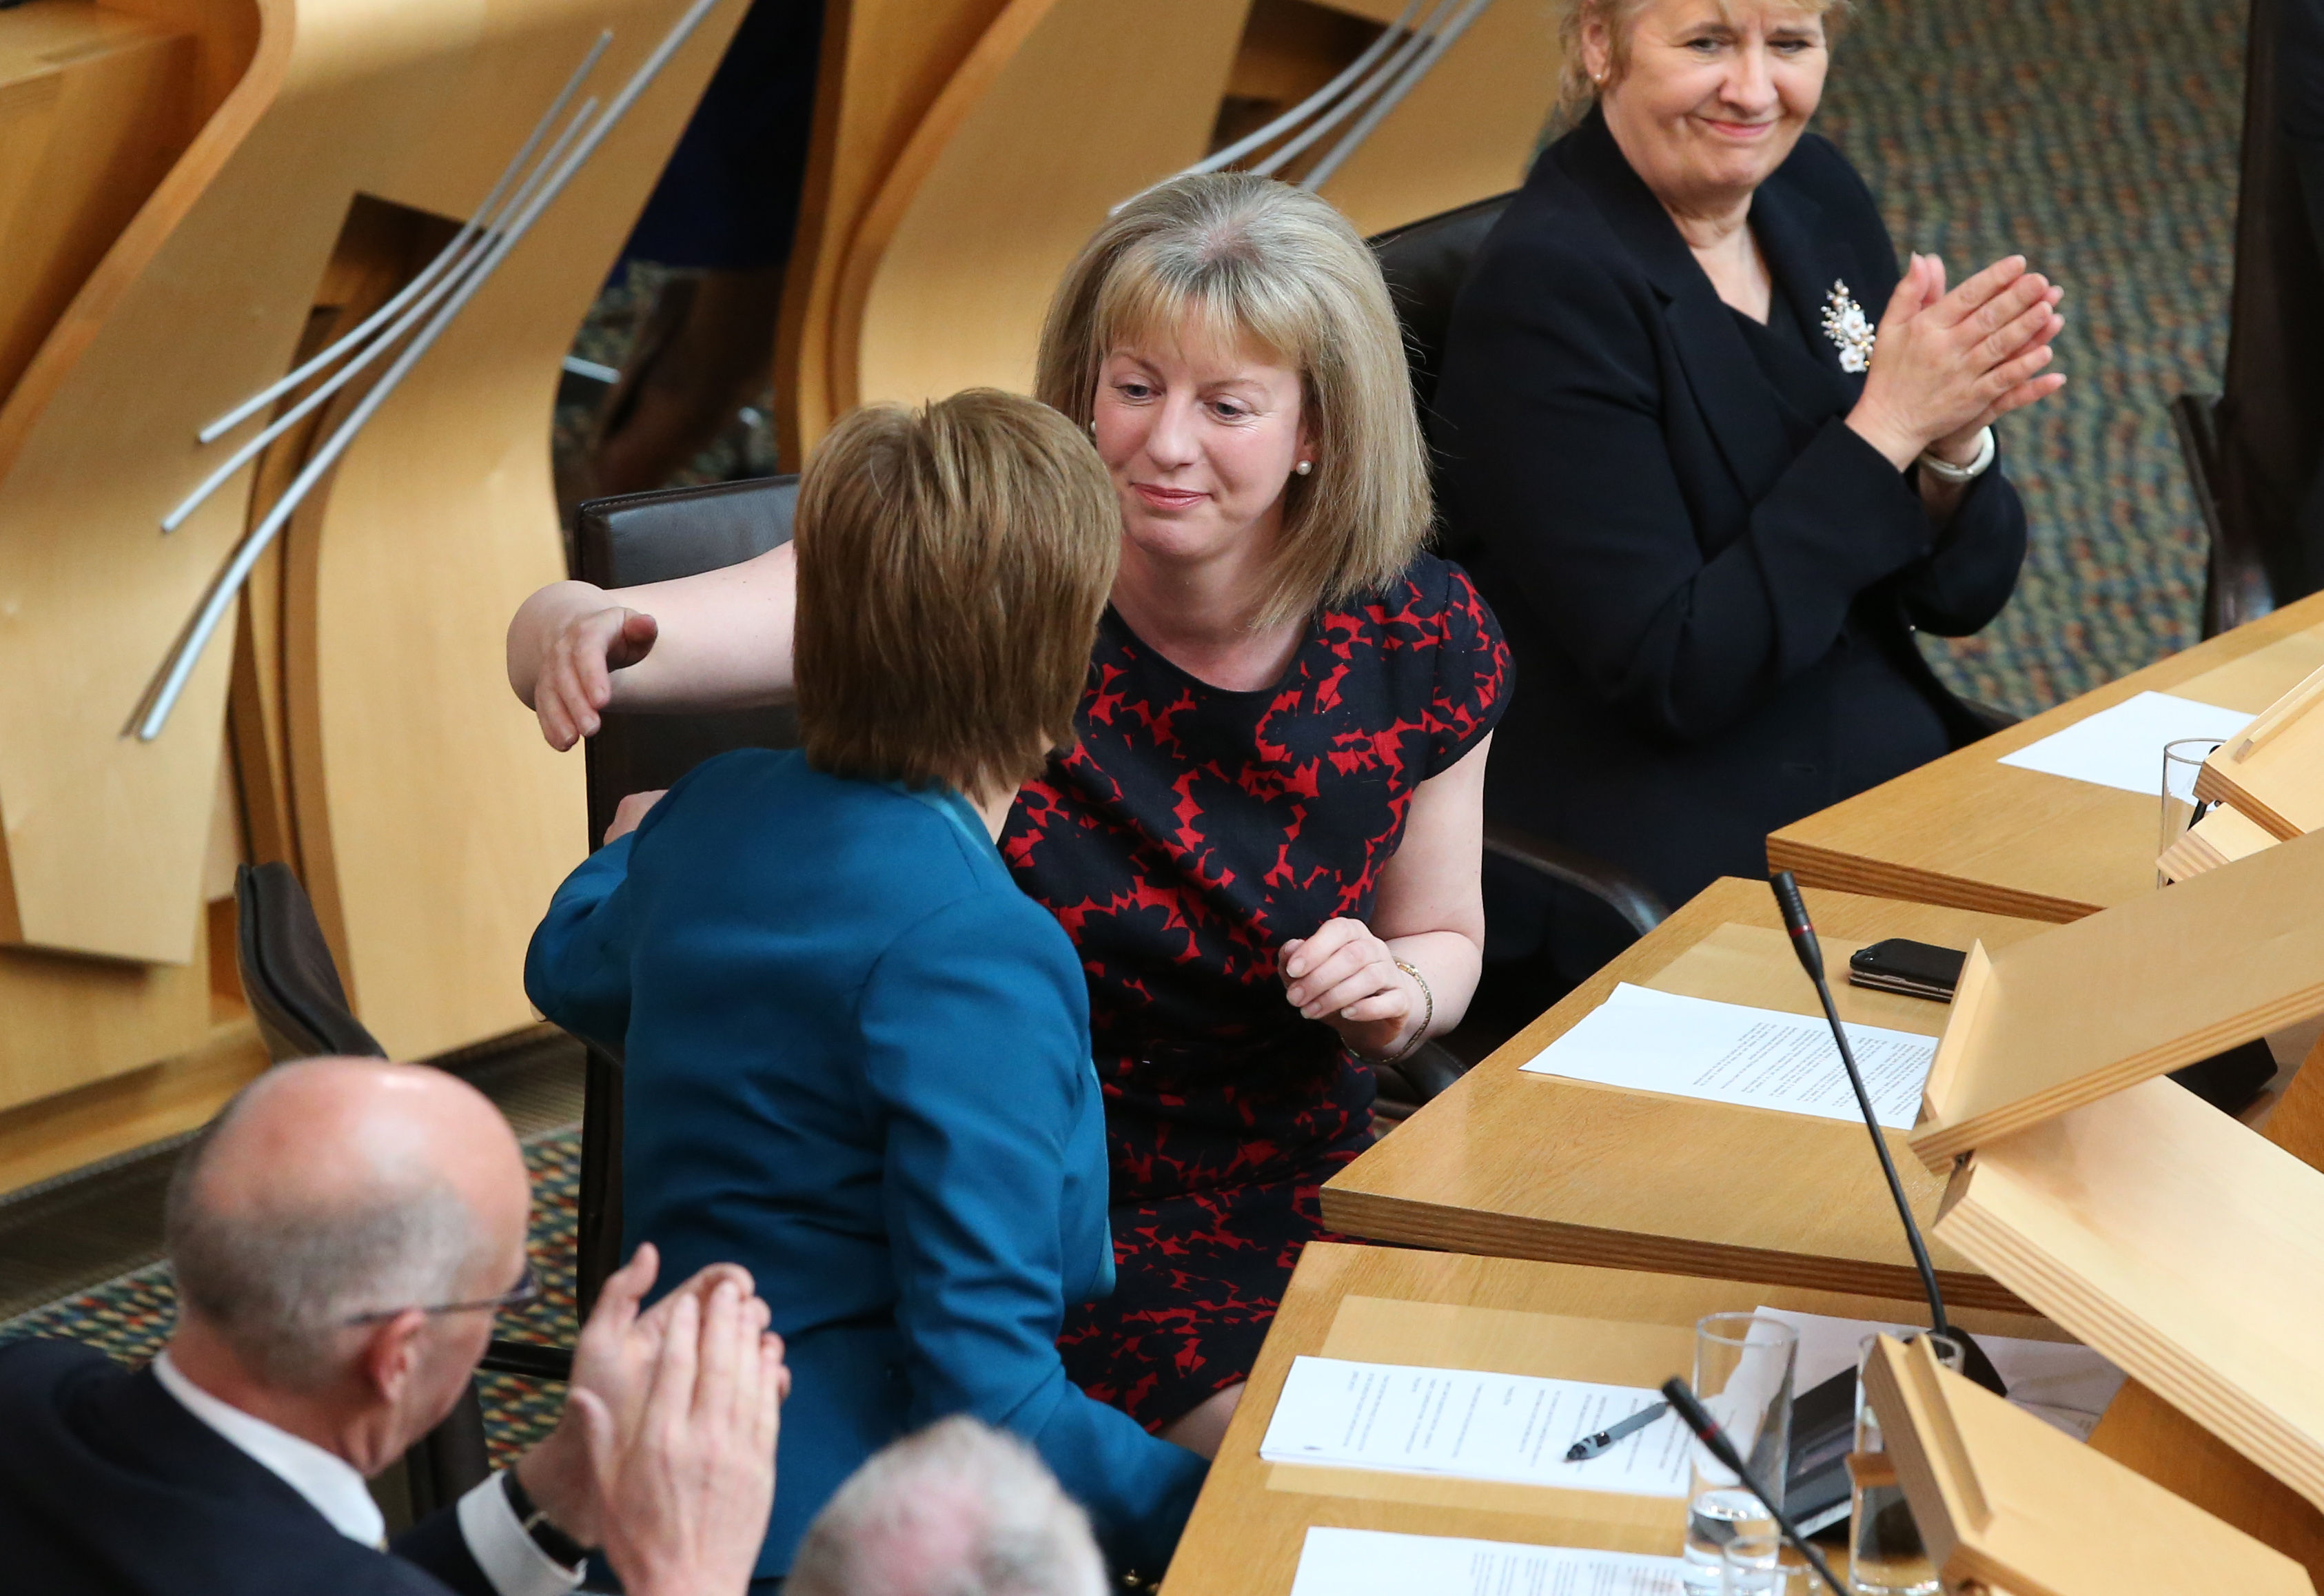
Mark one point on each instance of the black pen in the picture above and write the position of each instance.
(1590, 1446)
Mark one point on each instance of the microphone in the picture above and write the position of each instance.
(1706, 1429)
(1975, 1363)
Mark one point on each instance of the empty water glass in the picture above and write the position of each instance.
(1743, 1374)
(1753, 1565)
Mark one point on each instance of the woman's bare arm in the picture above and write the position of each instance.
(718, 640)
(1429, 913)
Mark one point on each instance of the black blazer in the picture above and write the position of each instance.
(1710, 592)
(109, 1487)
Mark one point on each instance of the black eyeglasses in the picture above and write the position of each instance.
(526, 1290)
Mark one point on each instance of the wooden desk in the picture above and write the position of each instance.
(1528, 1165)
(1475, 1312)
(1974, 834)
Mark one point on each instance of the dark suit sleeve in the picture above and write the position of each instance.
(435, 1545)
(1557, 455)
(978, 1059)
(1963, 584)
(576, 969)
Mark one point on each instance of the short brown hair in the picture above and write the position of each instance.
(1242, 259)
(953, 562)
(1576, 94)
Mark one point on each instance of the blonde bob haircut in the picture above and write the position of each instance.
(1235, 261)
(952, 563)
(1576, 94)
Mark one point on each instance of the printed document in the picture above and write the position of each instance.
(1480, 1426)
(2123, 746)
(1657, 1041)
(1371, 1563)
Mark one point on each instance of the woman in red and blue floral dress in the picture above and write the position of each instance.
(1265, 842)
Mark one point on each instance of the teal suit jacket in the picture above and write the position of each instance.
(857, 1062)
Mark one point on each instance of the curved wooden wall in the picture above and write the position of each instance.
(441, 823)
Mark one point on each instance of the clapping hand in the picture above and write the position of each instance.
(690, 1484)
(1947, 365)
(1346, 977)
(614, 1363)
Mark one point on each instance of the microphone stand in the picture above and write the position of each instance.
(1697, 1418)
(1975, 1362)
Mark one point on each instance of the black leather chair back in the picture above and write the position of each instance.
(1426, 262)
(656, 537)
(289, 977)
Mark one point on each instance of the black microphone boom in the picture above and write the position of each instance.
(1810, 951)
(1697, 1418)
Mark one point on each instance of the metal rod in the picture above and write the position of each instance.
(1322, 171)
(1414, 45)
(249, 446)
(433, 268)
(1312, 103)
(237, 571)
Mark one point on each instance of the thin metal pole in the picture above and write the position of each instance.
(237, 571)
(250, 447)
(1311, 104)
(1323, 169)
(1414, 44)
(433, 268)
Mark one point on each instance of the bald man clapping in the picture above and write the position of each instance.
(340, 1235)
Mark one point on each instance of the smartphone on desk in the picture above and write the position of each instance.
(1917, 969)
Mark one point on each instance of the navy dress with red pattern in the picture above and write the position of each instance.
(1189, 835)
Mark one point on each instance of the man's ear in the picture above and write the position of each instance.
(390, 1359)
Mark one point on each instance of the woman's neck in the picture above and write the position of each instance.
(1199, 615)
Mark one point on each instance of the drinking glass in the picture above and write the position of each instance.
(1743, 1373)
(1753, 1565)
(2183, 762)
(1885, 1554)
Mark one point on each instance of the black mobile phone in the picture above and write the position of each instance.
(1914, 968)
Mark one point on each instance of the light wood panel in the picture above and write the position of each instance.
(2126, 994)
(65, 1132)
(2178, 1242)
(884, 64)
(1441, 1309)
(449, 823)
(1972, 832)
(93, 109)
(2001, 1497)
(1016, 164)
(1466, 131)
(2275, 772)
(1531, 1165)
(2145, 1432)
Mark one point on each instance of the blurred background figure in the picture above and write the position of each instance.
(720, 223)
(957, 1510)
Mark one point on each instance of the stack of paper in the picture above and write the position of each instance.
(1368, 1562)
(1480, 1426)
(2063, 1382)
(2123, 746)
(1656, 1041)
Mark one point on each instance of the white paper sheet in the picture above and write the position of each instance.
(1479, 1427)
(1656, 1041)
(2064, 1383)
(2123, 746)
(1371, 1563)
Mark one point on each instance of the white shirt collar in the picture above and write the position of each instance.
(328, 1482)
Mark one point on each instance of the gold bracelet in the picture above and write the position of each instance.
(1427, 1017)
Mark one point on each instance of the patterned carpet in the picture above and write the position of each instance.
(130, 1317)
(2099, 138)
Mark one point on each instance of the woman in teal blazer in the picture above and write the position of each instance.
(857, 1058)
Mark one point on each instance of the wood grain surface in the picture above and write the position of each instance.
(1972, 832)
(1533, 1166)
(1438, 1309)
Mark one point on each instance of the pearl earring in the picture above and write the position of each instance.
(1305, 467)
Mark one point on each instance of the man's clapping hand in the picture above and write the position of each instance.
(689, 1485)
